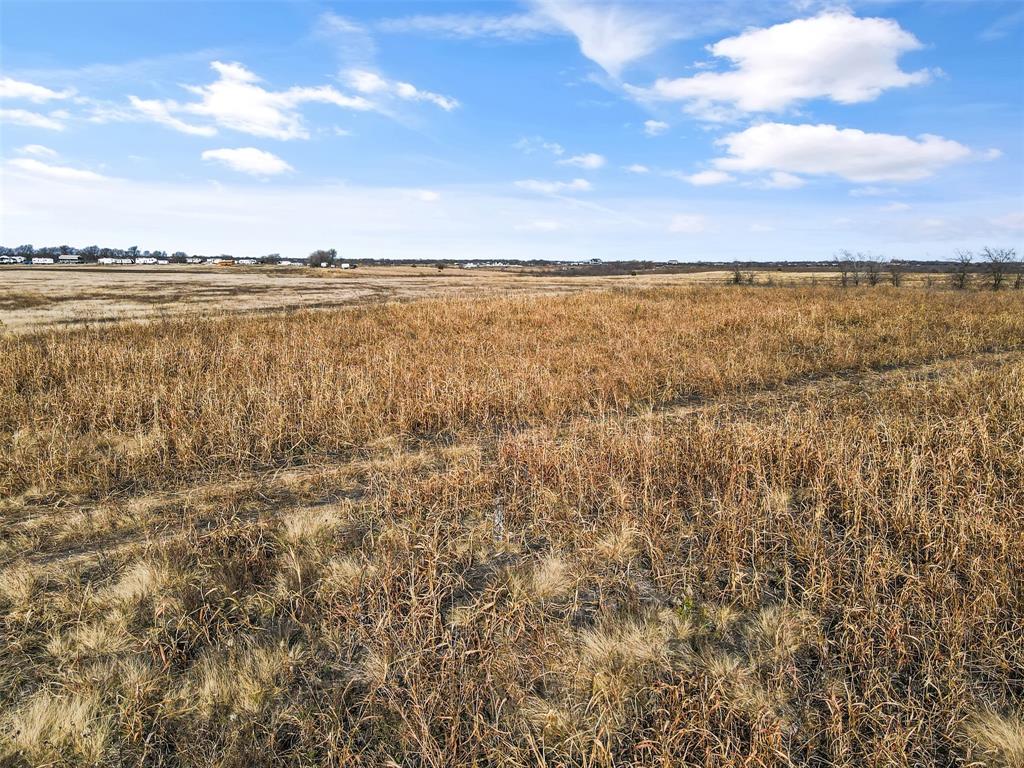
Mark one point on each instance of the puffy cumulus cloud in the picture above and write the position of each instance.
(611, 35)
(655, 127)
(827, 150)
(37, 150)
(238, 101)
(371, 83)
(590, 161)
(688, 223)
(52, 122)
(554, 187)
(18, 89)
(255, 162)
(56, 172)
(637, 168)
(834, 55)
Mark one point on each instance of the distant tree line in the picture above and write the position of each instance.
(996, 268)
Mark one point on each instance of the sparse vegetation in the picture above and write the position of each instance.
(711, 526)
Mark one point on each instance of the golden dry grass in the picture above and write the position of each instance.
(746, 527)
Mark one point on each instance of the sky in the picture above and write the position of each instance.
(547, 129)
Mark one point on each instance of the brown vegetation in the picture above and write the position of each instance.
(698, 526)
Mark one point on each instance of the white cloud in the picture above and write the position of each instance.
(687, 223)
(554, 187)
(895, 207)
(655, 127)
(158, 112)
(781, 180)
(514, 27)
(638, 168)
(608, 34)
(237, 101)
(249, 160)
(992, 154)
(353, 43)
(37, 94)
(37, 150)
(834, 55)
(536, 143)
(57, 172)
(704, 178)
(29, 119)
(590, 161)
(371, 83)
(849, 153)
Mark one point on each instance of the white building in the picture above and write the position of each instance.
(42, 260)
(145, 260)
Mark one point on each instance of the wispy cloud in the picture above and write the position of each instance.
(56, 172)
(554, 187)
(255, 162)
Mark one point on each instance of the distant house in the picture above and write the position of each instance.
(145, 260)
(291, 264)
(246, 261)
(195, 260)
(42, 260)
(11, 259)
(163, 261)
(69, 258)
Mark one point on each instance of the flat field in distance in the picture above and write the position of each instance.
(36, 297)
(672, 525)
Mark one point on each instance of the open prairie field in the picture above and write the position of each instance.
(37, 297)
(636, 526)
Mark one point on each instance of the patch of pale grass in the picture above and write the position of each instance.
(999, 738)
(52, 726)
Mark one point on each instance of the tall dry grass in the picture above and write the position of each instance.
(89, 412)
(829, 573)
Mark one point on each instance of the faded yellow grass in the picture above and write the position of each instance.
(828, 574)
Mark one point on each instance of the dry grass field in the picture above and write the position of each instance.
(37, 297)
(657, 526)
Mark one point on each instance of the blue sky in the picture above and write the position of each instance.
(537, 129)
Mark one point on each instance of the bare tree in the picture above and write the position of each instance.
(872, 268)
(843, 259)
(998, 261)
(857, 268)
(960, 274)
(895, 270)
(737, 274)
